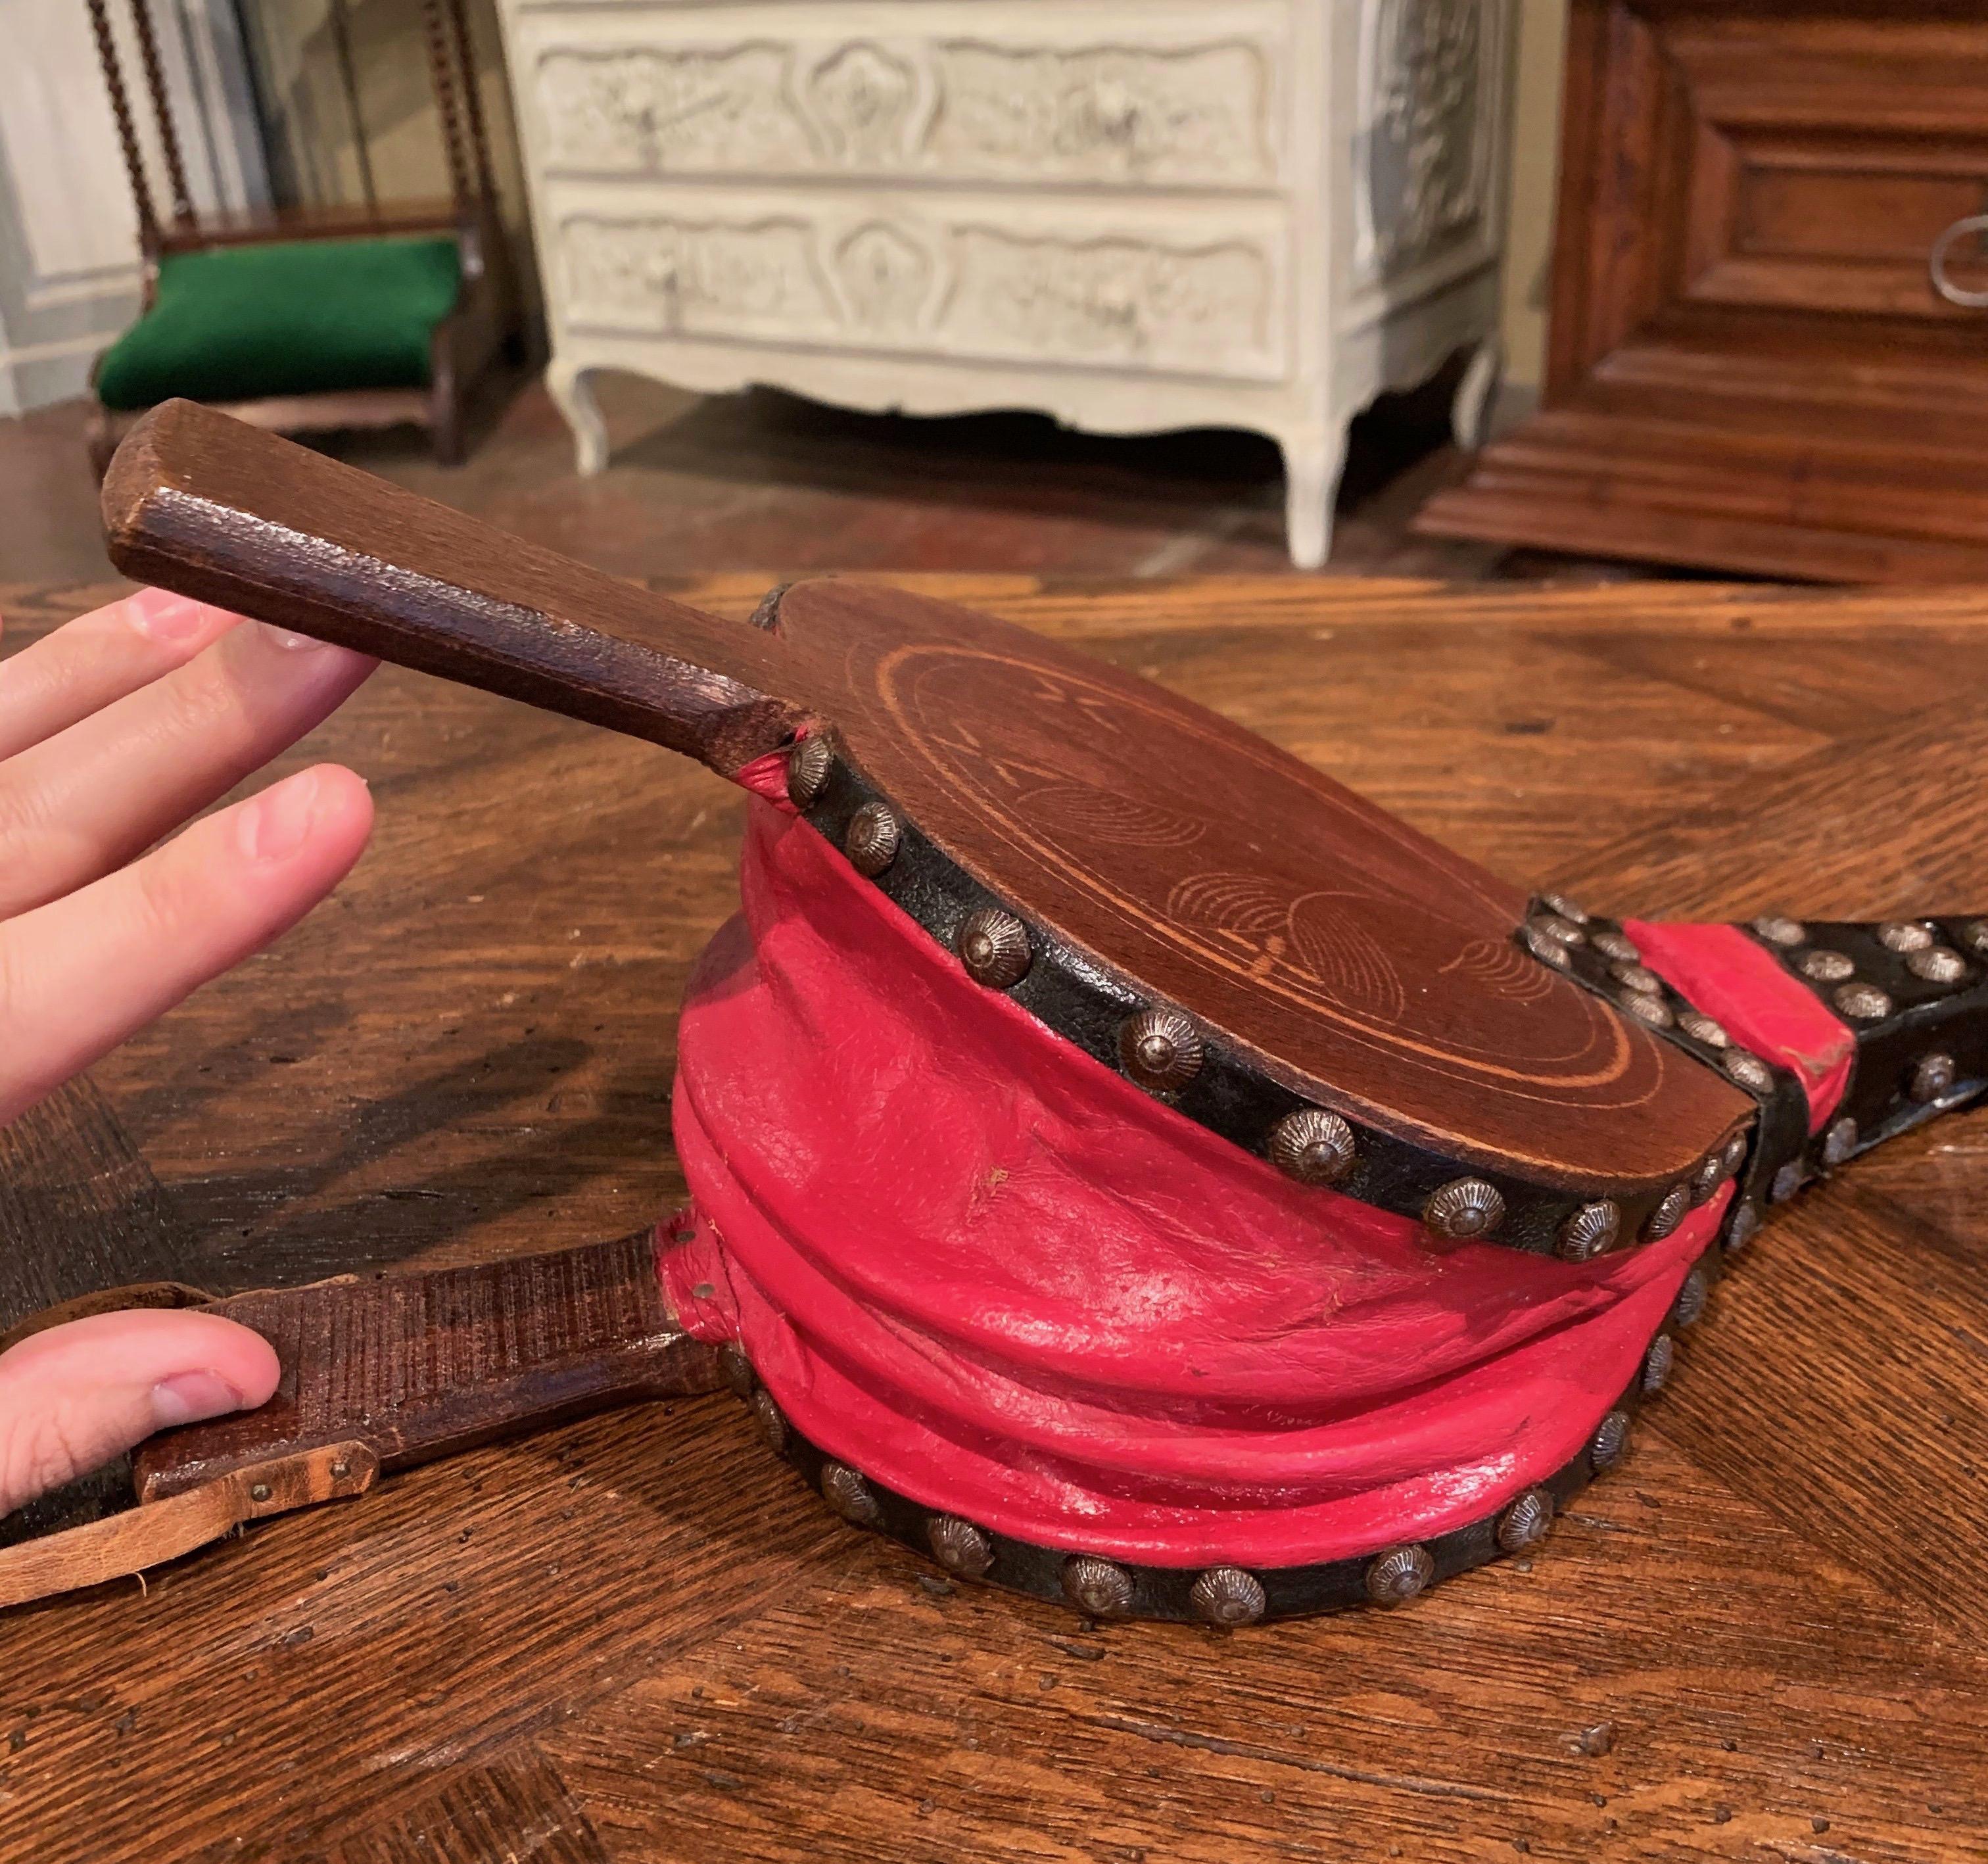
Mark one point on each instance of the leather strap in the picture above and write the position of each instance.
(379, 1373)
(121, 1544)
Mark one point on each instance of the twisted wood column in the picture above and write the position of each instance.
(442, 74)
(127, 130)
(162, 115)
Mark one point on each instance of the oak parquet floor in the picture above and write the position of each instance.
(639, 1639)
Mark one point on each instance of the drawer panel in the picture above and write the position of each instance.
(1179, 97)
(966, 279)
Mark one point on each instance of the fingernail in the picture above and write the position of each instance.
(278, 822)
(291, 643)
(163, 616)
(187, 1397)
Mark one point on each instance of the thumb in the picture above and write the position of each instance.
(75, 1396)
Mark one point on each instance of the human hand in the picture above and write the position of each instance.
(113, 731)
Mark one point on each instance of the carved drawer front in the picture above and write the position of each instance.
(1188, 96)
(940, 277)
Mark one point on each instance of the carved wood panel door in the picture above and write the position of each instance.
(1750, 364)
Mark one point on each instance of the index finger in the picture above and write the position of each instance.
(88, 663)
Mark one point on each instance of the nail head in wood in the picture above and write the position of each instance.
(1314, 1146)
(1228, 1595)
(1100, 1586)
(994, 947)
(1161, 1049)
(1464, 1208)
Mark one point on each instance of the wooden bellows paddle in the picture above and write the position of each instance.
(1268, 956)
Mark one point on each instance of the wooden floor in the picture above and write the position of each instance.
(700, 484)
(639, 1639)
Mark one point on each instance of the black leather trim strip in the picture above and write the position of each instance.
(1167, 1592)
(1086, 1003)
(1780, 1135)
(1926, 1018)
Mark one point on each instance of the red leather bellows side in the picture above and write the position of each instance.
(972, 1262)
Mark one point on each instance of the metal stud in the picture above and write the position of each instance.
(772, 1423)
(872, 839)
(1862, 1003)
(260, 1492)
(1313, 1146)
(1464, 1207)
(1399, 1575)
(1637, 977)
(1161, 1049)
(1525, 1520)
(1611, 1439)
(809, 764)
(738, 1369)
(1097, 1586)
(1547, 951)
(994, 947)
(1937, 965)
(1735, 1155)
(1565, 930)
(1750, 1071)
(849, 1495)
(1839, 1142)
(1614, 944)
(960, 1546)
(1559, 903)
(1710, 1174)
(1657, 1362)
(1786, 1182)
(1778, 930)
(1743, 1226)
(1904, 935)
(1667, 1214)
(1590, 1232)
(1933, 1079)
(1692, 1297)
(1974, 936)
(1826, 967)
(1228, 1595)
(1700, 1028)
(1650, 1009)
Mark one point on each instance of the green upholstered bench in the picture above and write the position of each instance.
(311, 332)
(235, 323)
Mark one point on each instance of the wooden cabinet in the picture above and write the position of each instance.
(1176, 213)
(1751, 365)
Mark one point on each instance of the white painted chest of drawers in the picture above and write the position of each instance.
(1166, 213)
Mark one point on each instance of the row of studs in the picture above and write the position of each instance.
(1161, 1049)
(1233, 1596)
(1915, 941)
(1640, 991)
(1551, 935)
(1918, 943)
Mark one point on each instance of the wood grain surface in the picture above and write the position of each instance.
(1354, 962)
(1749, 367)
(638, 1639)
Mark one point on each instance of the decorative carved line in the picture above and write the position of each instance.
(668, 277)
(1112, 300)
(1199, 113)
(863, 100)
(1106, 112)
(1104, 301)
(651, 113)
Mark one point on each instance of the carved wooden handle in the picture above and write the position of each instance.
(417, 1365)
(200, 503)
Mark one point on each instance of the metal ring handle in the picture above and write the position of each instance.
(1936, 263)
